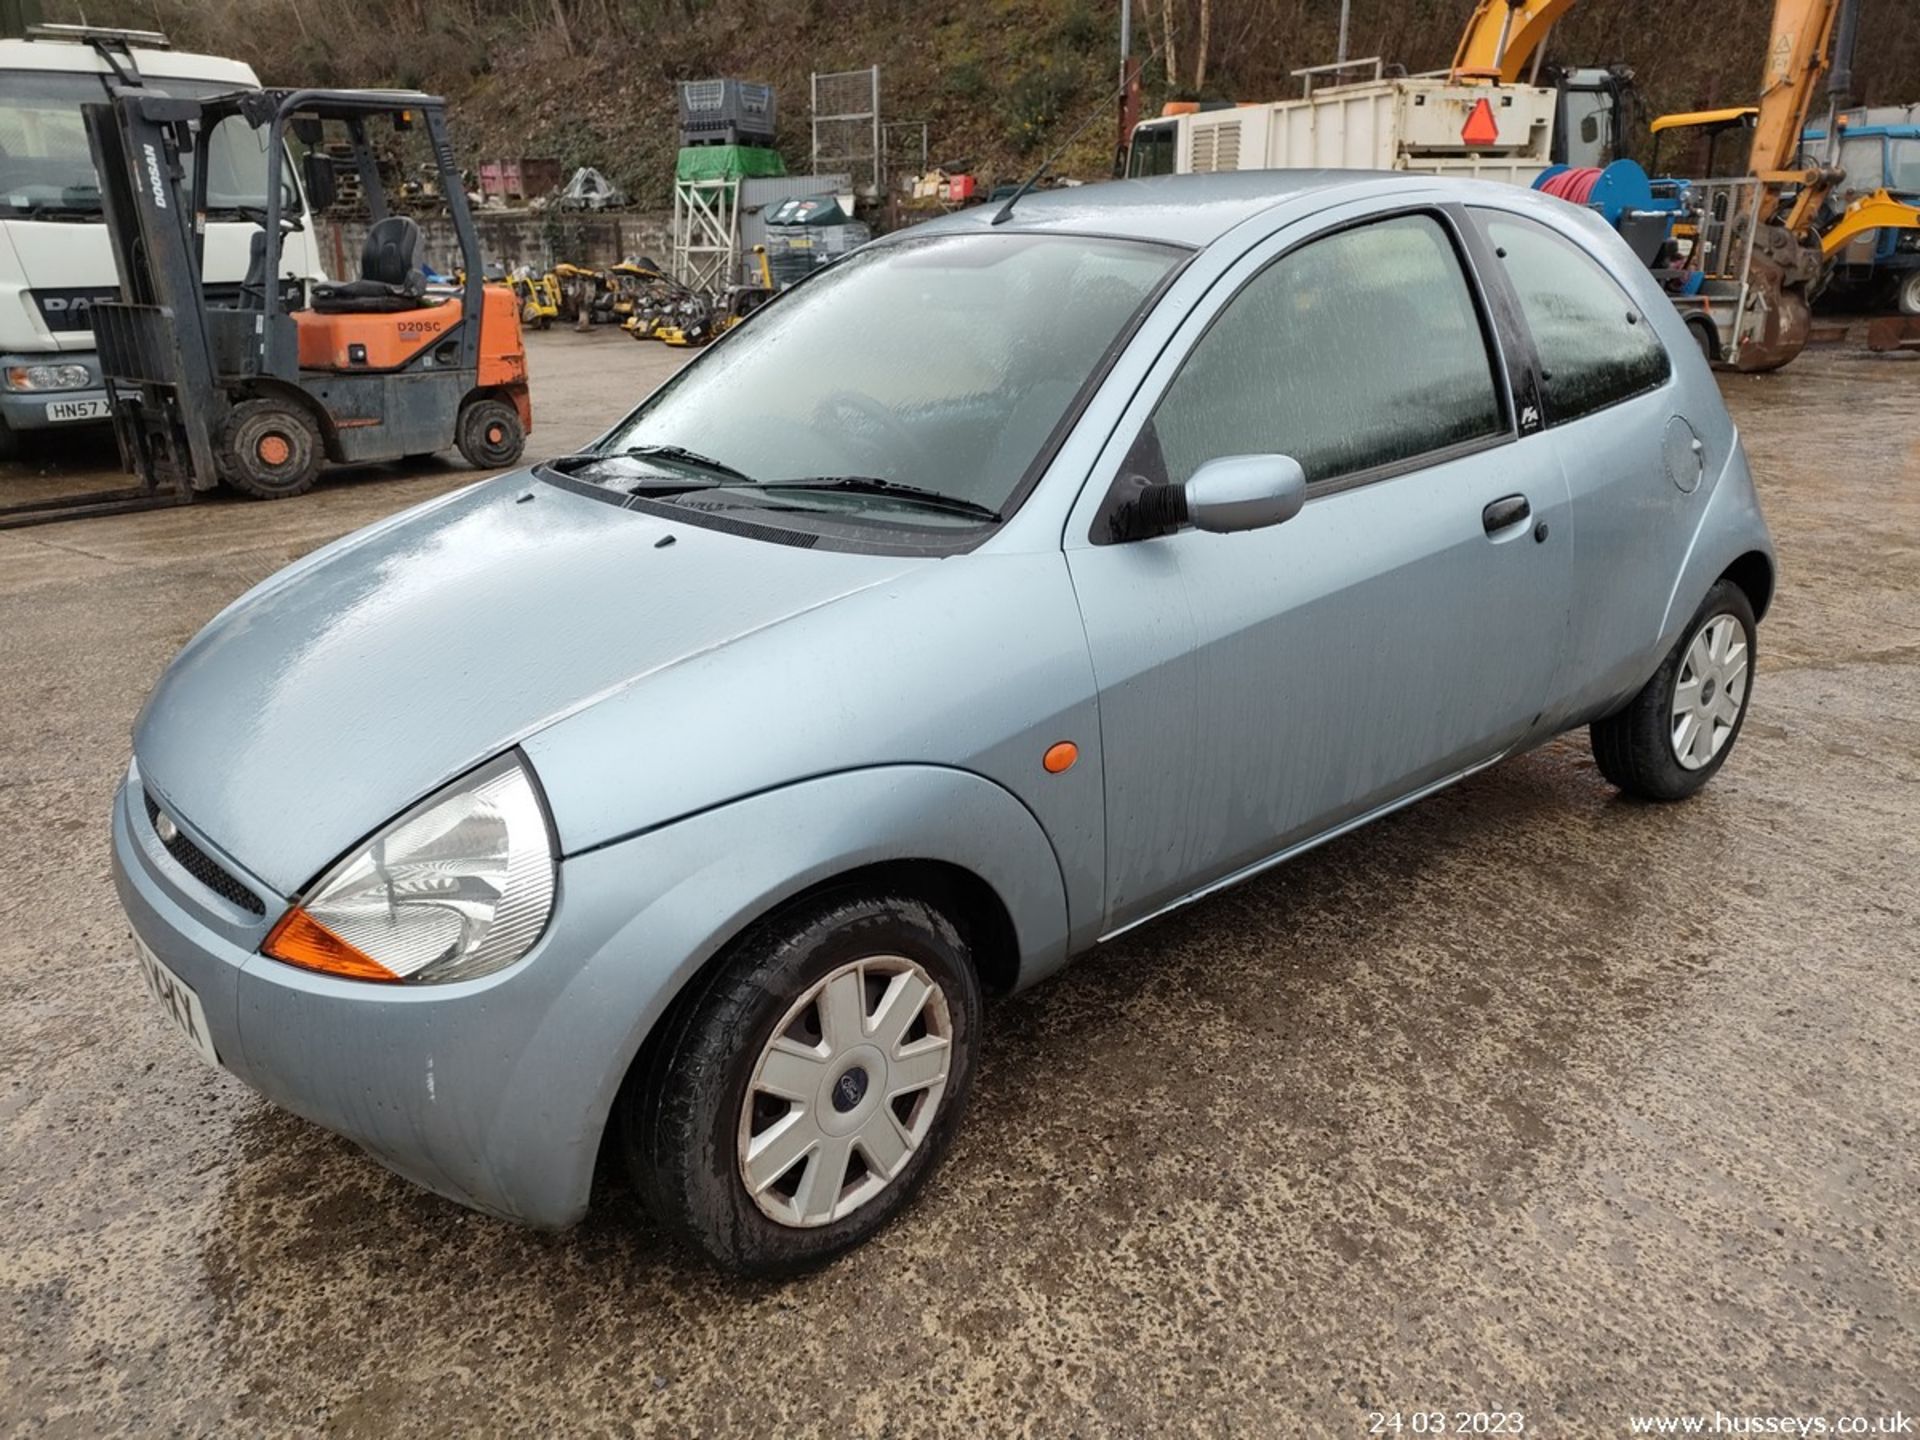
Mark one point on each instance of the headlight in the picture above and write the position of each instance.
(459, 886)
(48, 377)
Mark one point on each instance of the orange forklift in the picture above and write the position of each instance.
(259, 391)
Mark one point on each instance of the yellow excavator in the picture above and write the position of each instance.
(1772, 226)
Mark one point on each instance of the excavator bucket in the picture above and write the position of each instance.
(1777, 323)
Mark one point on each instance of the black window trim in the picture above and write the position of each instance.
(1475, 222)
(1507, 392)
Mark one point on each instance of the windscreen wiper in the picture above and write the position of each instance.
(892, 489)
(653, 485)
(62, 209)
(679, 454)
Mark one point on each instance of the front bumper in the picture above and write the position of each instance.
(27, 409)
(493, 1092)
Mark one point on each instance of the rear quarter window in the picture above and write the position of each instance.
(1595, 347)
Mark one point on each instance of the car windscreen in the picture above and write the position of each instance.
(941, 364)
(46, 169)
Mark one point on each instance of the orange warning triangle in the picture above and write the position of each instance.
(1480, 128)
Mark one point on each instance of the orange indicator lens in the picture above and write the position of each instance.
(301, 940)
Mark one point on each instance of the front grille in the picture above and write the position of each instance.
(71, 309)
(202, 866)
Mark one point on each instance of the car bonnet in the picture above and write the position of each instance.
(334, 695)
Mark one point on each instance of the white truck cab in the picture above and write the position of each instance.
(55, 259)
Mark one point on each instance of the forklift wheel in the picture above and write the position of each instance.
(271, 450)
(490, 435)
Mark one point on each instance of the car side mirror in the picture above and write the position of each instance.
(1245, 492)
(1232, 492)
(317, 175)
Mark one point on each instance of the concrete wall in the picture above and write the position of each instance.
(516, 237)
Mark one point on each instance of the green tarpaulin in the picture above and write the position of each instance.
(728, 162)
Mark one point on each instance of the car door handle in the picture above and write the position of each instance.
(1505, 513)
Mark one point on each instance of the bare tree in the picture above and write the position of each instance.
(1200, 50)
(1166, 29)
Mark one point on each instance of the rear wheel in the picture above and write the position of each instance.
(1908, 295)
(1673, 736)
(490, 434)
(799, 1100)
(270, 450)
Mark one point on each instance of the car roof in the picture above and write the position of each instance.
(1191, 210)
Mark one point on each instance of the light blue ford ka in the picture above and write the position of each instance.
(994, 591)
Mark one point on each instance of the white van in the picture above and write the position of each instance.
(55, 260)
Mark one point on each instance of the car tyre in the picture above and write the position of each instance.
(270, 450)
(9, 442)
(490, 434)
(710, 1124)
(1676, 733)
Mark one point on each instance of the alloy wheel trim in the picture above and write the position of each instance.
(1709, 692)
(840, 1061)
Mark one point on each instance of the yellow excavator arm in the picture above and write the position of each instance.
(1503, 37)
(1877, 211)
(1798, 54)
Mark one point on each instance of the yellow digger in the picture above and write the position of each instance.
(539, 296)
(1766, 239)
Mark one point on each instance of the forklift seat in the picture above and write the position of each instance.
(391, 275)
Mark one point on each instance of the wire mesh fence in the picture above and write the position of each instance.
(903, 149)
(846, 126)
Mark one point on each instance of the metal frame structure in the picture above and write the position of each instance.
(1726, 214)
(706, 234)
(846, 107)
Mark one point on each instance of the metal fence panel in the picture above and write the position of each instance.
(846, 126)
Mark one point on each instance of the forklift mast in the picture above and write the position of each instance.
(155, 350)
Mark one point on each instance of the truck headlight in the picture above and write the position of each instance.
(459, 886)
(48, 377)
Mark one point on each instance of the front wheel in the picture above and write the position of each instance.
(270, 450)
(490, 435)
(804, 1094)
(1673, 736)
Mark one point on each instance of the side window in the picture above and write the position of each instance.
(1357, 350)
(1595, 347)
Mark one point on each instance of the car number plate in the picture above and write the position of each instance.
(58, 410)
(177, 1002)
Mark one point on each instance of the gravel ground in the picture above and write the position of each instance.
(1527, 1098)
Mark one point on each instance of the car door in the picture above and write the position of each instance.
(1632, 457)
(1261, 688)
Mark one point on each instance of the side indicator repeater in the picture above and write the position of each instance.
(1059, 758)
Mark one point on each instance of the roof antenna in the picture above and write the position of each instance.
(1005, 212)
